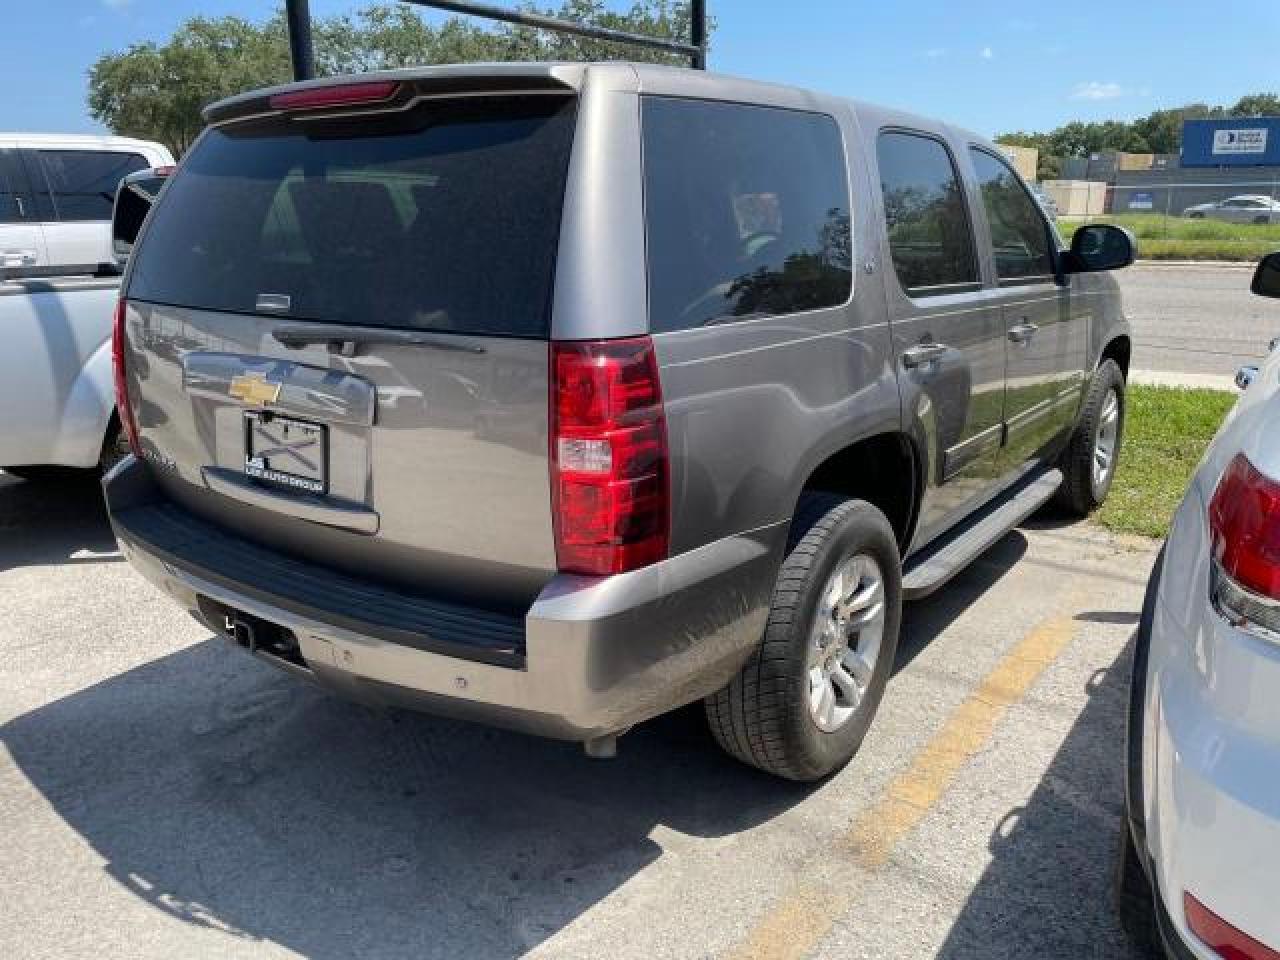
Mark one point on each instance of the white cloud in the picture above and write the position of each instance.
(935, 53)
(987, 53)
(1095, 90)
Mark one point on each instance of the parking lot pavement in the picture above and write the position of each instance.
(1196, 319)
(165, 795)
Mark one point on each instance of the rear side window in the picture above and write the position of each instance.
(1019, 232)
(83, 182)
(747, 212)
(445, 218)
(929, 234)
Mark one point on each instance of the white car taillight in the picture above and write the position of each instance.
(1244, 529)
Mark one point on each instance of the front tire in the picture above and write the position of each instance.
(803, 703)
(1089, 462)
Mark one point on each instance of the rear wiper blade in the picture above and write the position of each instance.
(344, 339)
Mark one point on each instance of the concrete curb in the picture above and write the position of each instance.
(1204, 264)
(1165, 378)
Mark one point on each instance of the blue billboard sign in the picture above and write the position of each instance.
(1231, 142)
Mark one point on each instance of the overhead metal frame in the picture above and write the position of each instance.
(298, 18)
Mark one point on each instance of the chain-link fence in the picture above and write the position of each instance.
(1206, 216)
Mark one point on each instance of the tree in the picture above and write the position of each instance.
(156, 91)
(1158, 132)
(1257, 105)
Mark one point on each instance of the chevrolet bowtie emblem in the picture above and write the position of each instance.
(254, 389)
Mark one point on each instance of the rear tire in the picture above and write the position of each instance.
(114, 448)
(1089, 462)
(801, 706)
(1134, 898)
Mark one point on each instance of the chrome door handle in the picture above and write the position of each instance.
(1023, 332)
(922, 354)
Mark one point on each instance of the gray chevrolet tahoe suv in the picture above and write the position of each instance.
(560, 396)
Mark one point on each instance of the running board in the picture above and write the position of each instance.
(971, 539)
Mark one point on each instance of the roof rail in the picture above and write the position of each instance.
(298, 17)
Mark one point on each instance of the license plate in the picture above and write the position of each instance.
(292, 453)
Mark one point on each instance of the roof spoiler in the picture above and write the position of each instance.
(298, 18)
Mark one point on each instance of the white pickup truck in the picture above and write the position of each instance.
(56, 391)
(57, 402)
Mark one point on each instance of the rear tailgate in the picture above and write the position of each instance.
(337, 339)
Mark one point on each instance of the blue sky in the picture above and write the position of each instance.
(991, 66)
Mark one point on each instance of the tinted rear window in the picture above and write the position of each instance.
(747, 210)
(446, 218)
(83, 182)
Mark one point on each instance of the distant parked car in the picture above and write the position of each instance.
(56, 192)
(1204, 729)
(1242, 209)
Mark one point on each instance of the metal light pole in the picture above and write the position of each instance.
(298, 17)
(698, 24)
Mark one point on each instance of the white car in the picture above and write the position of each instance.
(1204, 716)
(1247, 208)
(56, 388)
(56, 192)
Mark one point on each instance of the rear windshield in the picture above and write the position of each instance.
(445, 218)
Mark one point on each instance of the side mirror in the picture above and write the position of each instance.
(1100, 246)
(1266, 279)
(134, 198)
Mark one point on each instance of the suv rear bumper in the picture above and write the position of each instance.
(594, 656)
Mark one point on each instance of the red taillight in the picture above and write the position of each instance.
(1221, 937)
(609, 483)
(338, 95)
(1244, 524)
(123, 409)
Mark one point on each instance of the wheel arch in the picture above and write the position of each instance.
(874, 469)
(1120, 349)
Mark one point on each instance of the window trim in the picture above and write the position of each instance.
(938, 289)
(1050, 234)
(849, 189)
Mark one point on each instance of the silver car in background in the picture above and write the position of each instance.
(1241, 209)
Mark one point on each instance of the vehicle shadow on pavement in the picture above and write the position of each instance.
(55, 519)
(239, 799)
(1048, 891)
(925, 619)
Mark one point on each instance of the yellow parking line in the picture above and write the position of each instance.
(796, 924)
